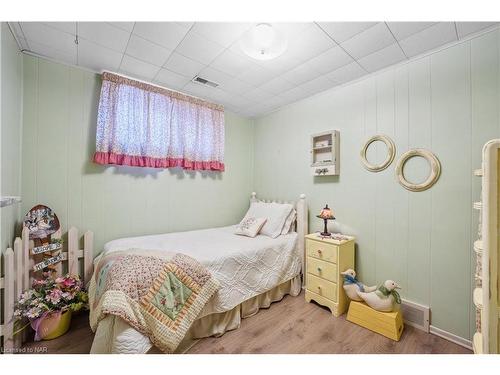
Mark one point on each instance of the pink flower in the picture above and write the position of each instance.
(68, 282)
(54, 296)
(68, 296)
(39, 282)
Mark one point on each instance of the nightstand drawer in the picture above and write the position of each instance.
(321, 287)
(322, 269)
(323, 251)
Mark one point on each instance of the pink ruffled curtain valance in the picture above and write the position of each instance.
(148, 126)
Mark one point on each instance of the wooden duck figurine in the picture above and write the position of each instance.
(383, 298)
(352, 285)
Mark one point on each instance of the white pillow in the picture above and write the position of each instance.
(250, 226)
(275, 213)
(288, 227)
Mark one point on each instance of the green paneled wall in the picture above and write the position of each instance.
(60, 104)
(10, 136)
(446, 102)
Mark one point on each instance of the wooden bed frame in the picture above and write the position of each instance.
(301, 223)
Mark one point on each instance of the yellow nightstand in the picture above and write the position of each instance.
(325, 260)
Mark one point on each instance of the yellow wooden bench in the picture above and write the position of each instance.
(388, 324)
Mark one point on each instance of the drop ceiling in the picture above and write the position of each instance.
(320, 55)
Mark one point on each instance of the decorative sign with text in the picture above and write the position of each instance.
(50, 247)
(48, 262)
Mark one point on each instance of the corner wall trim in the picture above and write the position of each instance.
(451, 337)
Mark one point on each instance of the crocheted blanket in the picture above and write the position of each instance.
(158, 294)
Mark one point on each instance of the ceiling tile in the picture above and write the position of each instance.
(199, 48)
(402, 30)
(318, 84)
(466, 28)
(428, 39)
(294, 94)
(280, 64)
(231, 63)
(341, 31)
(67, 56)
(201, 91)
(257, 95)
(215, 75)
(309, 43)
(67, 27)
(291, 29)
(185, 25)
(127, 26)
(256, 75)
(166, 34)
(301, 74)
(183, 65)
(223, 33)
(346, 73)
(46, 35)
(277, 85)
(138, 68)
(98, 58)
(369, 41)
(145, 50)
(236, 86)
(104, 34)
(237, 102)
(330, 60)
(171, 79)
(382, 58)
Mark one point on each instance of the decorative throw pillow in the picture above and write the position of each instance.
(275, 213)
(250, 226)
(288, 227)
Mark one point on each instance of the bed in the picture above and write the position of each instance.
(252, 273)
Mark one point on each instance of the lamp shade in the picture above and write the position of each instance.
(326, 213)
(263, 42)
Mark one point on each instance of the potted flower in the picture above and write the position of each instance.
(49, 305)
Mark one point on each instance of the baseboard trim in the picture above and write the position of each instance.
(451, 337)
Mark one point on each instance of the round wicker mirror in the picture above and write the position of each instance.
(391, 152)
(434, 164)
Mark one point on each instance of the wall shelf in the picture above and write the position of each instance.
(325, 153)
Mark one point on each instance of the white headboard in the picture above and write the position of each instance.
(301, 225)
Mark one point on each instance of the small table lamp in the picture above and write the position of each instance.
(326, 214)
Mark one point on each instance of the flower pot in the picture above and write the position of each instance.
(52, 325)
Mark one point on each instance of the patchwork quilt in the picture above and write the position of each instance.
(159, 294)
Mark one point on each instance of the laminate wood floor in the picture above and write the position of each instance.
(290, 326)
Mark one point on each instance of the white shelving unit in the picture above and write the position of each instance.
(486, 296)
(325, 153)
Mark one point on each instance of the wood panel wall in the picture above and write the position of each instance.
(447, 102)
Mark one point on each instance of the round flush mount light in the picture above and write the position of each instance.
(263, 42)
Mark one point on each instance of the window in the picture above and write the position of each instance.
(144, 125)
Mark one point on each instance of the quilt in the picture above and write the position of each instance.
(159, 294)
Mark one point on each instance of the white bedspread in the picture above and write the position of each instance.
(245, 267)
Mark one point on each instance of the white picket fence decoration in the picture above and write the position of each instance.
(16, 266)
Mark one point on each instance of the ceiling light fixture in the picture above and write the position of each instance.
(263, 42)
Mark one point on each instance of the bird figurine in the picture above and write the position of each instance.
(383, 298)
(352, 285)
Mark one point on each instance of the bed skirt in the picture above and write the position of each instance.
(217, 324)
(114, 335)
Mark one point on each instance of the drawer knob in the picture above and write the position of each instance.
(319, 251)
(319, 287)
(319, 269)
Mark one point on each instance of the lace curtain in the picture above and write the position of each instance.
(148, 126)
